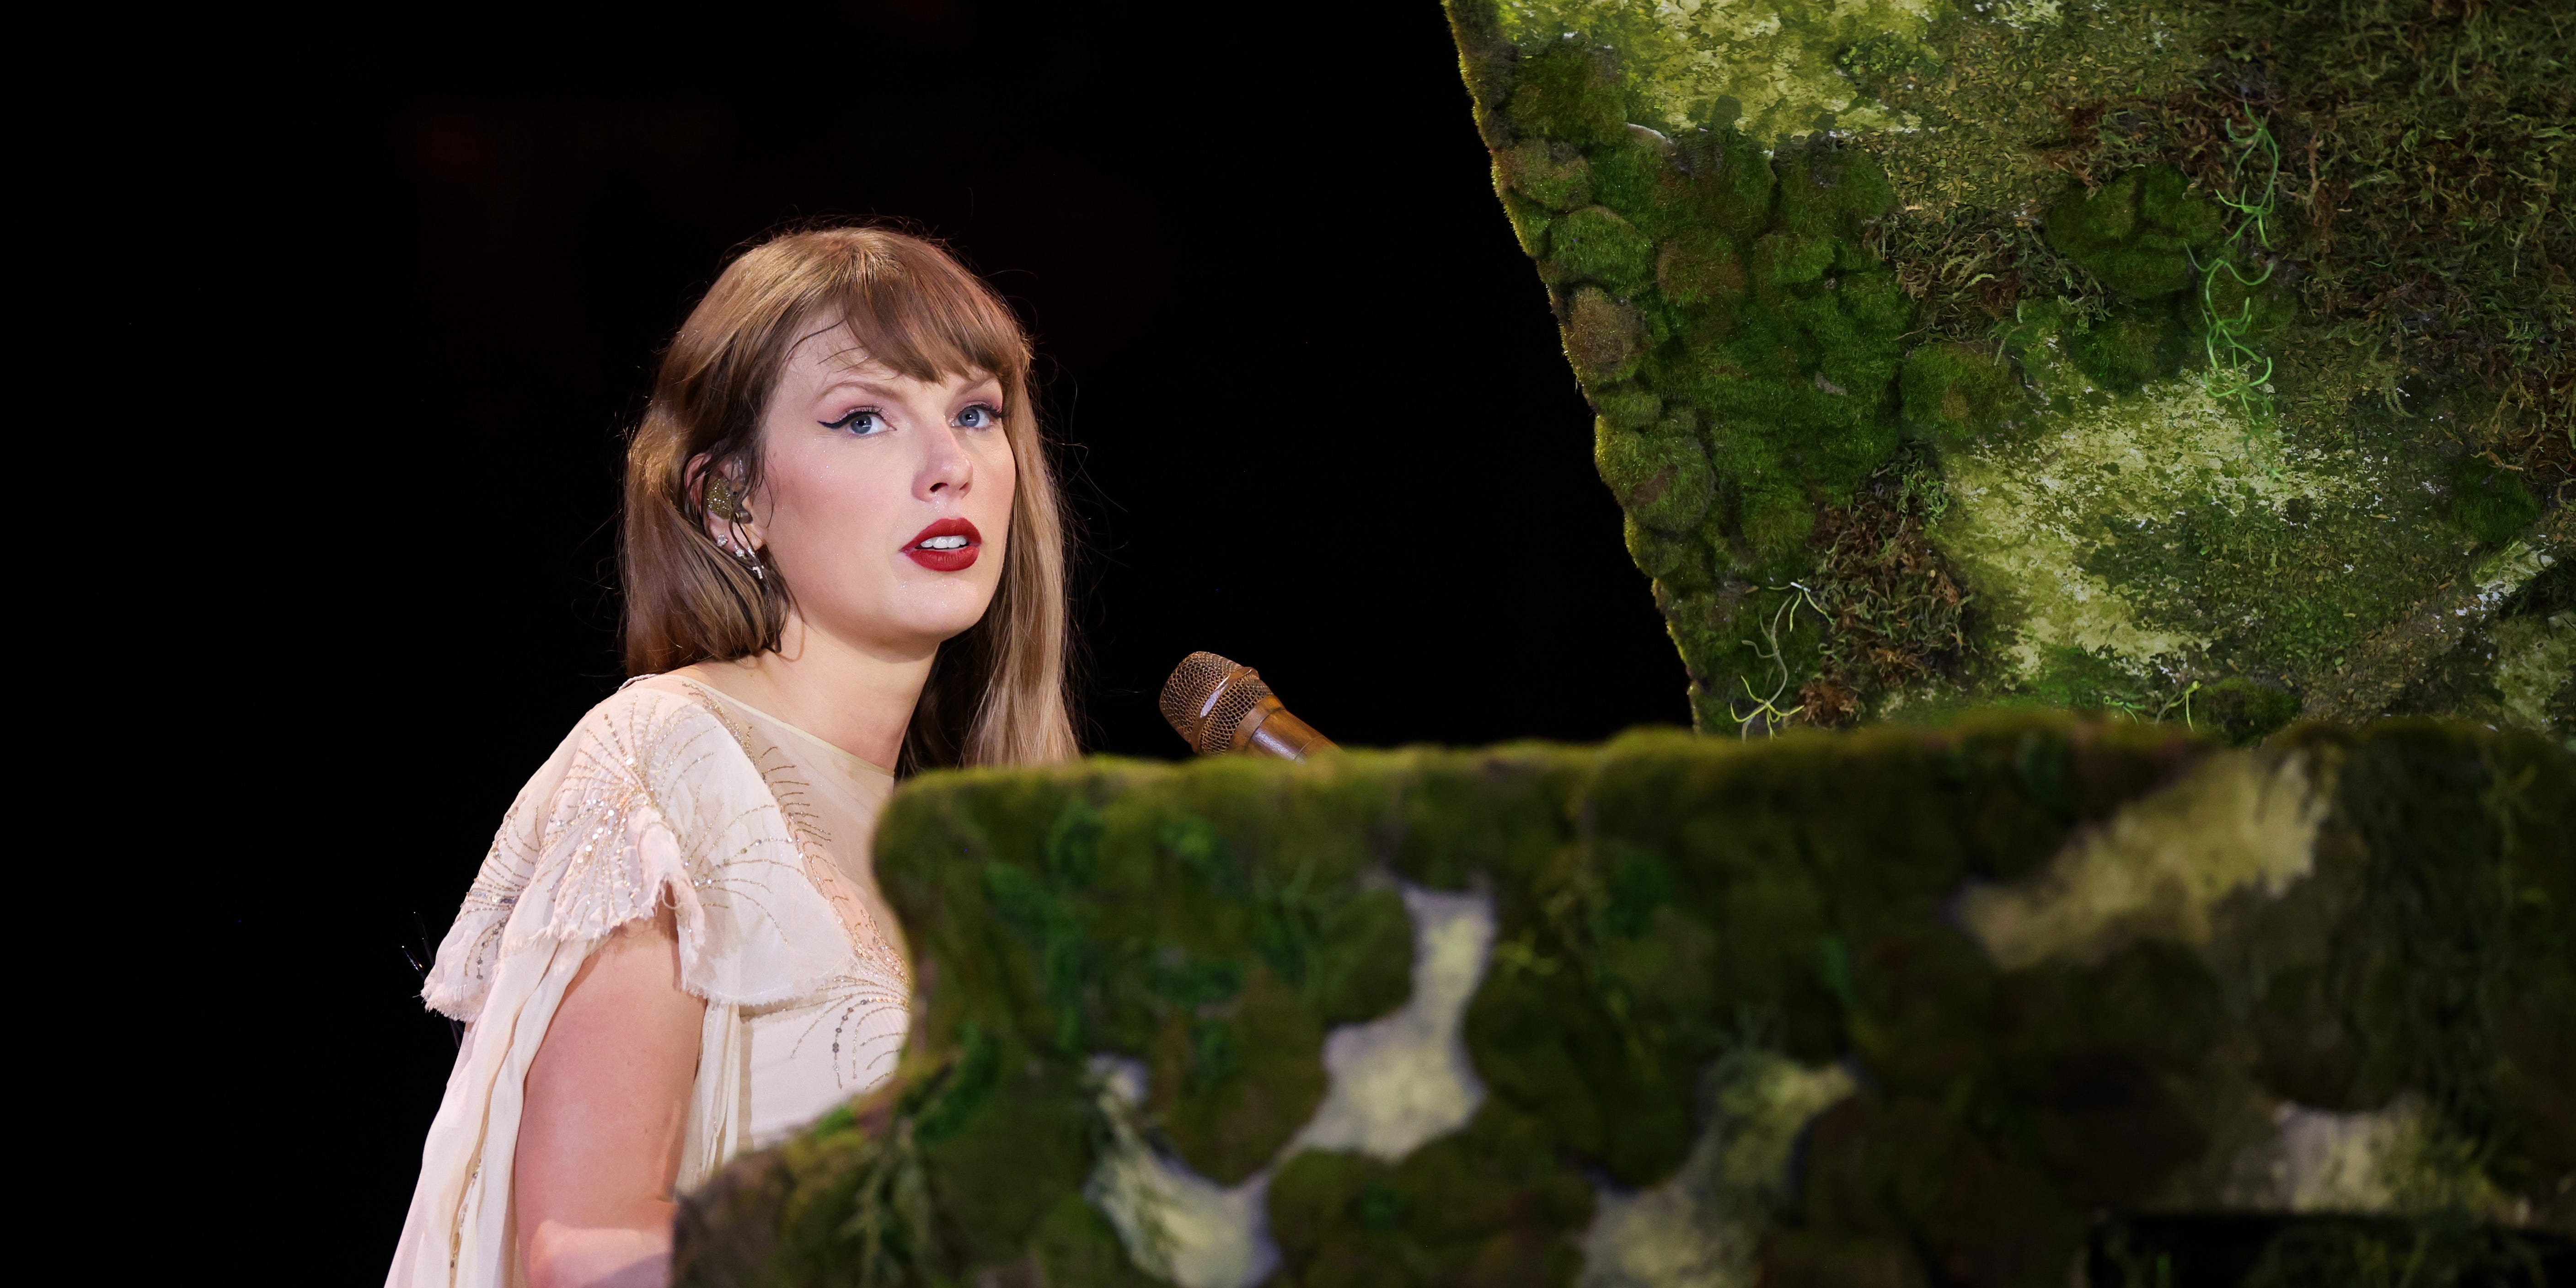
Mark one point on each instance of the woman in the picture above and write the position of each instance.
(841, 554)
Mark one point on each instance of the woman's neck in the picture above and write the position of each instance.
(857, 698)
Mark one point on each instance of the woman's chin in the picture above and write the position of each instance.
(924, 622)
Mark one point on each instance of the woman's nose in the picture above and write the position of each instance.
(947, 471)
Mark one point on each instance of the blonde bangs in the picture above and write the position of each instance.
(997, 694)
(928, 326)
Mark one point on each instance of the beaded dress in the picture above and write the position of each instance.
(757, 833)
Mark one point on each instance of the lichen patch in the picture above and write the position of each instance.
(2397, 1158)
(2507, 571)
(1703, 1227)
(1403, 1079)
(2027, 515)
(2535, 659)
(2161, 867)
(1176, 1224)
(1769, 67)
(2036, 521)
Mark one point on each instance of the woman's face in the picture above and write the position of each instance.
(884, 501)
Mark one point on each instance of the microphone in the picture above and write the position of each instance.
(1218, 705)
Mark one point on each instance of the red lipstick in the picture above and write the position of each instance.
(948, 555)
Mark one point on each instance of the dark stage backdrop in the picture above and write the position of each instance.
(1258, 249)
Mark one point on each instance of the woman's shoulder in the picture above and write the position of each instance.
(671, 697)
(657, 726)
(652, 796)
(627, 734)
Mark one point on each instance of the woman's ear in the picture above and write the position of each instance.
(726, 504)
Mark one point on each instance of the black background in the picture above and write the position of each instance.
(1313, 410)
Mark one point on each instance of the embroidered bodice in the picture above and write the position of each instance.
(809, 1055)
(758, 835)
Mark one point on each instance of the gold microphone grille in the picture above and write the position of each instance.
(1198, 679)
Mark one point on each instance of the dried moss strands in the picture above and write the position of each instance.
(2444, 142)
(1899, 618)
(2426, 144)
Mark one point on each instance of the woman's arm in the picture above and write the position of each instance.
(607, 1100)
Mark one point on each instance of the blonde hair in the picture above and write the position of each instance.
(997, 693)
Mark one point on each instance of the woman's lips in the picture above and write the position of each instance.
(949, 545)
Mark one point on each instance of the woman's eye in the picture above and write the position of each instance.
(864, 421)
(979, 416)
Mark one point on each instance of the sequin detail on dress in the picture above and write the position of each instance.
(655, 794)
(789, 787)
(862, 1015)
(642, 809)
(864, 1021)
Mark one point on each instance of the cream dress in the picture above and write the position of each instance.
(758, 833)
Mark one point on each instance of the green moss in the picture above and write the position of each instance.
(1553, 175)
(1665, 904)
(1075, 1244)
(2136, 344)
(1719, 183)
(1233, 1080)
(1777, 521)
(1031, 1128)
(2533, 671)
(2533, 811)
(1955, 394)
(2217, 571)
(1832, 192)
(1153, 932)
(1359, 957)
(1628, 406)
(2429, 991)
(2489, 503)
(2435, 261)
(1897, 1172)
(1604, 337)
(1777, 69)
(1721, 305)
(1549, 1051)
(1875, 303)
(1660, 476)
(1567, 91)
(1785, 258)
(1673, 561)
(2139, 232)
(2244, 711)
(2170, 531)
(1948, 1148)
(1331, 1215)
(1530, 224)
(1594, 243)
(1491, 1204)
(1634, 173)
(2218, 231)
(2255, 311)
(1700, 267)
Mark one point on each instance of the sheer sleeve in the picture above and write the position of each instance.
(650, 800)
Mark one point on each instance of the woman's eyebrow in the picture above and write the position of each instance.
(850, 383)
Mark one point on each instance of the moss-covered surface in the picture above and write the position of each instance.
(2058, 977)
(2220, 345)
